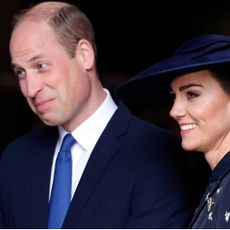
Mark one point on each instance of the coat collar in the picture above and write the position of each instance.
(107, 146)
(219, 172)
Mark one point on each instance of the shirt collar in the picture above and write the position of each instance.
(221, 169)
(88, 133)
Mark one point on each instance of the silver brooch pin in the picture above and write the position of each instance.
(210, 203)
(218, 190)
(226, 216)
(207, 196)
(210, 216)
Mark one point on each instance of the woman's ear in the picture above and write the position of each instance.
(85, 52)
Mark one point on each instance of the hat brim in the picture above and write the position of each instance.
(153, 84)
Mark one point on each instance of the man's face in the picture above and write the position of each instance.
(56, 86)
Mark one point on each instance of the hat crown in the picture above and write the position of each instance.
(204, 45)
(199, 53)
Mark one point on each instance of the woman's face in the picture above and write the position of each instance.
(202, 110)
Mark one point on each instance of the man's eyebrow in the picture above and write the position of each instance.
(13, 65)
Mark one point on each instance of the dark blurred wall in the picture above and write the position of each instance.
(130, 35)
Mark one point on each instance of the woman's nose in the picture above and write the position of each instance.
(177, 110)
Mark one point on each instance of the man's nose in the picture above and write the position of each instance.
(33, 85)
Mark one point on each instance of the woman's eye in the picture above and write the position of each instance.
(172, 95)
(191, 95)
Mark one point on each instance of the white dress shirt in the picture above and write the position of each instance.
(86, 135)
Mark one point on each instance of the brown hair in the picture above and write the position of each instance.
(69, 23)
(222, 74)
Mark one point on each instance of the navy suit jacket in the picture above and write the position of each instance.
(132, 179)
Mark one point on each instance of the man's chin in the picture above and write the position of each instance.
(49, 122)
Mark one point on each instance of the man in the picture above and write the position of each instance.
(123, 172)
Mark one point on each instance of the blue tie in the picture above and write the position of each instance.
(61, 190)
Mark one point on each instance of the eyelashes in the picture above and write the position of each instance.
(172, 96)
(192, 95)
(189, 95)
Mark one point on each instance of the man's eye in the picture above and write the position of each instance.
(19, 73)
(42, 66)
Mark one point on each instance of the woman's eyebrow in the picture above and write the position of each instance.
(183, 87)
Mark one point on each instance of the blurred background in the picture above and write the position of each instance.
(130, 36)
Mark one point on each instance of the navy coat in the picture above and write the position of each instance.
(214, 208)
(132, 179)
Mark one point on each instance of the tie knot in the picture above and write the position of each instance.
(67, 142)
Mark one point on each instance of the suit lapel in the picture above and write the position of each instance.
(106, 147)
(41, 169)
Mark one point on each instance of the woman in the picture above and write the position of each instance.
(199, 77)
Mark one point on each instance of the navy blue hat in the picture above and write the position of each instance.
(153, 84)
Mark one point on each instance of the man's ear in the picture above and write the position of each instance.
(85, 53)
